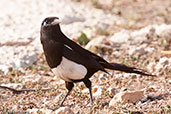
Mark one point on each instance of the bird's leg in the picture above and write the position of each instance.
(69, 86)
(61, 104)
(87, 82)
(91, 98)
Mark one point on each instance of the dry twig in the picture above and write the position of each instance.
(15, 91)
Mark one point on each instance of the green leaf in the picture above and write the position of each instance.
(83, 40)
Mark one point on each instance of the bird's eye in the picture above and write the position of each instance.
(45, 23)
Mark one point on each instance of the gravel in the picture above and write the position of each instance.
(20, 26)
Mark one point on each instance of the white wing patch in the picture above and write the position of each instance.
(69, 70)
(67, 46)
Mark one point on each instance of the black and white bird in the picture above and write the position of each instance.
(71, 62)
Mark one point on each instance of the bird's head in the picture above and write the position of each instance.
(50, 24)
(50, 21)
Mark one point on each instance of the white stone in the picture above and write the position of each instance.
(64, 110)
(163, 29)
(127, 97)
(95, 42)
(32, 78)
(97, 91)
(103, 77)
(57, 98)
(14, 85)
(169, 81)
(163, 64)
(36, 111)
(107, 3)
(112, 91)
(69, 19)
(4, 68)
(121, 37)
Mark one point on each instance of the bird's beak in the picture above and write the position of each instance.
(55, 21)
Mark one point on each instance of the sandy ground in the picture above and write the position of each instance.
(133, 32)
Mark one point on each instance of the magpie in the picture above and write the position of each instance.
(69, 61)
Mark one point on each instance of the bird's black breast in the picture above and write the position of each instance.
(53, 52)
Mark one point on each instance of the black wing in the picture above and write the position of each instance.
(83, 53)
(102, 64)
(75, 56)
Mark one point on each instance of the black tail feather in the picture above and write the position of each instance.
(124, 68)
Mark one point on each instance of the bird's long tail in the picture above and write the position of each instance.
(124, 68)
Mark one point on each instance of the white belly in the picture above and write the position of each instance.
(69, 70)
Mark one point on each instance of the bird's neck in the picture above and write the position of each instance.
(54, 33)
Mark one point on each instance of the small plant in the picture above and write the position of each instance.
(83, 39)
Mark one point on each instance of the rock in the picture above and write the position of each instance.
(127, 97)
(119, 75)
(94, 43)
(163, 30)
(39, 111)
(27, 60)
(32, 78)
(14, 85)
(169, 81)
(58, 97)
(120, 37)
(97, 91)
(17, 57)
(141, 50)
(4, 96)
(131, 50)
(57, 81)
(125, 75)
(138, 36)
(64, 110)
(103, 77)
(165, 52)
(123, 89)
(163, 64)
(151, 97)
(112, 91)
(158, 68)
(152, 88)
(69, 19)
(105, 4)
(4, 69)
(151, 66)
